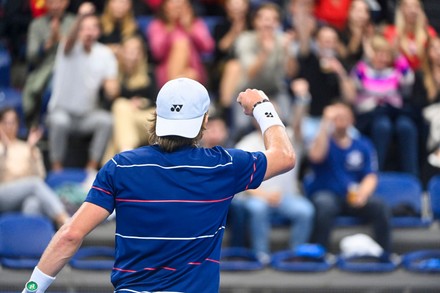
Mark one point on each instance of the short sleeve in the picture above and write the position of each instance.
(102, 190)
(249, 169)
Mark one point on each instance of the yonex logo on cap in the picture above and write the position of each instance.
(31, 286)
(176, 108)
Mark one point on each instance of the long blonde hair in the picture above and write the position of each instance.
(428, 78)
(129, 25)
(420, 31)
(139, 77)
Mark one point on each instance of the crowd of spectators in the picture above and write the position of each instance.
(372, 64)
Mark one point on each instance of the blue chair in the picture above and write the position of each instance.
(367, 264)
(143, 22)
(23, 239)
(434, 194)
(5, 67)
(93, 258)
(239, 259)
(66, 176)
(305, 258)
(402, 190)
(422, 261)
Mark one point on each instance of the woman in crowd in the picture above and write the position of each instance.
(131, 111)
(382, 82)
(22, 186)
(410, 32)
(178, 39)
(118, 23)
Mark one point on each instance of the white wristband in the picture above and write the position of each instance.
(266, 116)
(39, 282)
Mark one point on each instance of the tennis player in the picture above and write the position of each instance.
(171, 198)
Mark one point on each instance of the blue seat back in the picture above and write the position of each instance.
(434, 194)
(23, 239)
(5, 67)
(68, 175)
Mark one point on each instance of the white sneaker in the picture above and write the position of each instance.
(434, 159)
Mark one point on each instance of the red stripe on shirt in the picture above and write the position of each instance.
(103, 190)
(252, 176)
(125, 271)
(212, 260)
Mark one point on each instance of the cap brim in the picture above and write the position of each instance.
(188, 128)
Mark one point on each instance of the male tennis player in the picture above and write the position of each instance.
(171, 198)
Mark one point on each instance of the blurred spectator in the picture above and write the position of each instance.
(22, 186)
(410, 32)
(44, 35)
(332, 12)
(320, 65)
(357, 31)
(135, 106)
(118, 23)
(98, 4)
(345, 178)
(227, 67)
(178, 39)
(431, 85)
(82, 67)
(382, 82)
(216, 132)
(278, 198)
(262, 53)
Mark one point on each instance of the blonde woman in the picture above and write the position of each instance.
(118, 22)
(132, 110)
(410, 32)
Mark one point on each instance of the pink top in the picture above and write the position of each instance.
(160, 41)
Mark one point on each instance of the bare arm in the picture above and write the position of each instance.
(85, 9)
(320, 145)
(279, 150)
(69, 238)
(111, 88)
(365, 190)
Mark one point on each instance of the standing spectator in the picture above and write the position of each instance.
(357, 31)
(410, 32)
(225, 35)
(341, 164)
(382, 82)
(135, 106)
(82, 67)
(280, 197)
(44, 35)
(262, 53)
(22, 173)
(321, 67)
(178, 39)
(118, 23)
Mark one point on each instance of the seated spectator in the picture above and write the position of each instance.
(118, 23)
(382, 82)
(82, 67)
(178, 39)
(44, 35)
(320, 65)
(22, 186)
(227, 67)
(410, 32)
(342, 166)
(216, 133)
(279, 196)
(135, 106)
(262, 53)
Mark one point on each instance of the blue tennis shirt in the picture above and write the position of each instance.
(171, 213)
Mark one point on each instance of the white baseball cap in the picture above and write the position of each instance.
(180, 106)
